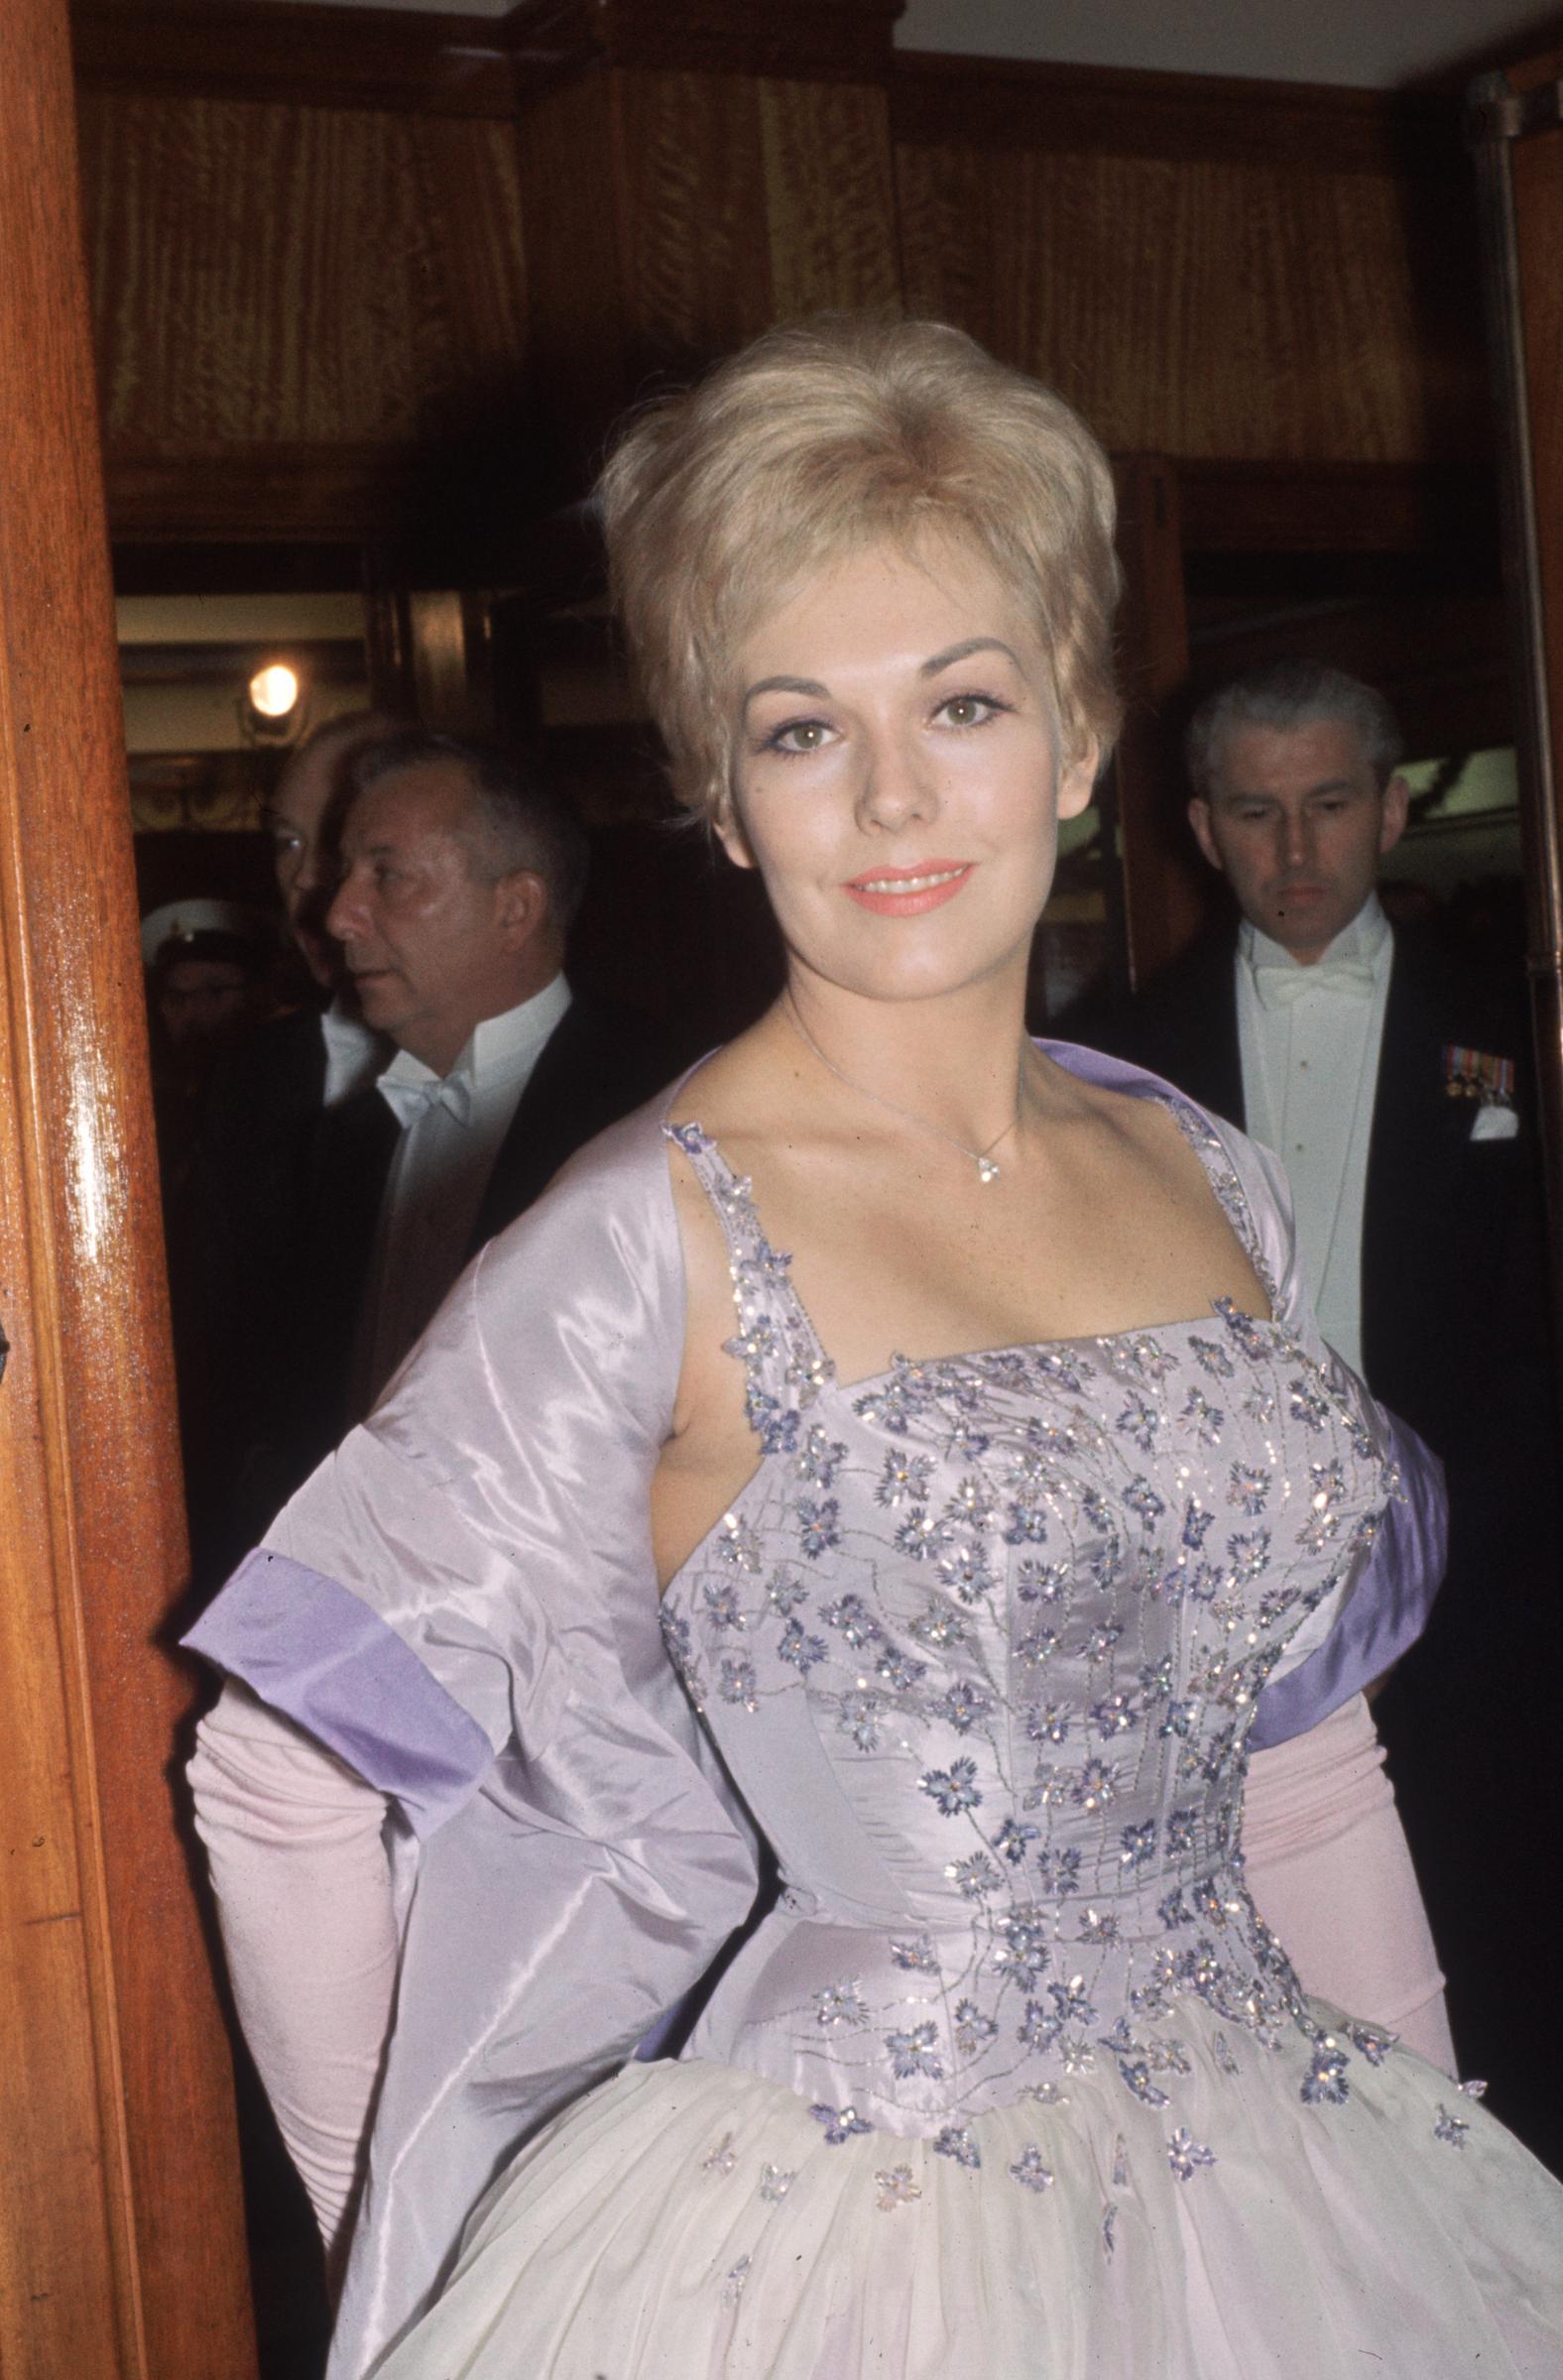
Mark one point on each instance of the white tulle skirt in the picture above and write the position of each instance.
(689, 2220)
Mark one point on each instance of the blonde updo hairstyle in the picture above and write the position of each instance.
(823, 437)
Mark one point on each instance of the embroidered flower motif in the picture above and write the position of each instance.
(1059, 1871)
(775, 2183)
(841, 2004)
(956, 2141)
(1185, 2153)
(1376, 2044)
(973, 1878)
(786, 1595)
(1072, 2001)
(952, 1789)
(841, 2123)
(851, 1615)
(1096, 1785)
(819, 1458)
(1451, 2129)
(940, 1626)
(904, 1479)
(736, 1682)
(897, 1669)
(896, 2189)
(723, 1607)
(1012, 1840)
(972, 2028)
(1115, 1715)
(1325, 2083)
(860, 1717)
(722, 2158)
(915, 2052)
(1030, 2171)
(817, 1526)
(963, 1706)
(800, 1651)
(1048, 1722)
(1136, 2077)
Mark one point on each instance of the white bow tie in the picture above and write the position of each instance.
(408, 1101)
(1345, 979)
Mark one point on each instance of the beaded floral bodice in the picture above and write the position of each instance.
(980, 1644)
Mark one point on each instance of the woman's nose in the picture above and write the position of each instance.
(898, 786)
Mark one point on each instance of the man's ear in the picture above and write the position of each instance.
(1397, 805)
(520, 905)
(1199, 820)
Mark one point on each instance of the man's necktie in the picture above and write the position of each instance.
(407, 1101)
(1343, 979)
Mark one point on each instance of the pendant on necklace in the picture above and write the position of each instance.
(987, 1170)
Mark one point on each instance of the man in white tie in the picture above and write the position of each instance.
(1297, 811)
(459, 874)
(1393, 1083)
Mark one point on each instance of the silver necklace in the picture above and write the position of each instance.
(982, 1158)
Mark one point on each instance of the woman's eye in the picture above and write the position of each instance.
(799, 735)
(970, 710)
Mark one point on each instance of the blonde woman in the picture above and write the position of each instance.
(951, 1409)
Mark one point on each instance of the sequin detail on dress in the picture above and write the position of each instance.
(1011, 1614)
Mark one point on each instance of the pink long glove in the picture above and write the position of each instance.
(1328, 1865)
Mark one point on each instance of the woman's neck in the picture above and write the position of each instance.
(955, 1064)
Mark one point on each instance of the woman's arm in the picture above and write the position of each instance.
(299, 1867)
(1329, 1867)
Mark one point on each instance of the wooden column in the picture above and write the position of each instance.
(1166, 885)
(1516, 124)
(121, 2247)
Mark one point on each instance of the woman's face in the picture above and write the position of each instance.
(897, 780)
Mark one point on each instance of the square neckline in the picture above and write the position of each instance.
(1190, 1120)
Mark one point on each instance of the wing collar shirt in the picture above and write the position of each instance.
(1309, 1040)
(452, 1130)
(355, 1054)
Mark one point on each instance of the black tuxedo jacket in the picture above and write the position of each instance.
(597, 1065)
(1453, 1282)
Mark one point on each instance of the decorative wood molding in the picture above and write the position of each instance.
(323, 55)
(1115, 111)
(1338, 508)
(810, 40)
(304, 55)
(314, 495)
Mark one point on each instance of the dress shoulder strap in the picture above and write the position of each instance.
(784, 1365)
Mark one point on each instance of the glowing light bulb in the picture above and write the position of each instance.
(273, 690)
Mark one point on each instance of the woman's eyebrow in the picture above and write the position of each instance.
(787, 686)
(959, 653)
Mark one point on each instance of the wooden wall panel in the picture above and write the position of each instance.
(271, 278)
(831, 197)
(695, 238)
(1201, 307)
(673, 213)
